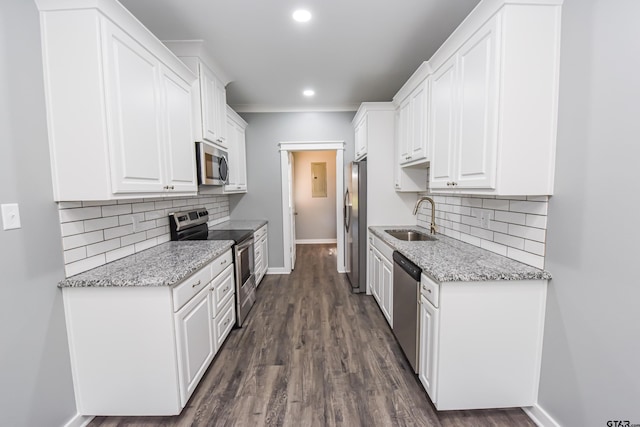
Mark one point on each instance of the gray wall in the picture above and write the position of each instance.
(590, 370)
(263, 199)
(316, 217)
(35, 373)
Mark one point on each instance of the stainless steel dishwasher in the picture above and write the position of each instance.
(406, 291)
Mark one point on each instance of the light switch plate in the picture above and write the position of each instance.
(10, 216)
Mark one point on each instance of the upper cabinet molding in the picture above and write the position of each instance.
(196, 49)
(117, 13)
(423, 71)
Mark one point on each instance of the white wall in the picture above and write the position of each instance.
(265, 131)
(590, 369)
(35, 375)
(316, 219)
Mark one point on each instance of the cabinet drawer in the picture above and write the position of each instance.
(190, 287)
(220, 263)
(222, 288)
(430, 290)
(224, 322)
(261, 232)
(383, 248)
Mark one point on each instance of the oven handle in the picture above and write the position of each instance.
(242, 246)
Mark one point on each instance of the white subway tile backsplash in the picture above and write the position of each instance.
(83, 239)
(79, 214)
(495, 204)
(95, 232)
(482, 233)
(501, 227)
(76, 254)
(511, 217)
(102, 247)
(538, 221)
(526, 257)
(77, 267)
(120, 253)
(112, 233)
(537, 248)
(531, 233)
(473, 240)
(71, 228)
(494, 247)
(114, 210)
(538, 208)
(471, 202)
(505, 239)
(100, 223)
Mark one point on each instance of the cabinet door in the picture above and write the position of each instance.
(195, 342)
(376, 279)
(221, 113)
(404, 131)
(361, 136)
(265, 253)
(179, 142)
(427, 369)
(242, 158)
(478, 117)
(418, 139)
(224, 322)
(210, 120)
(134, 110)
(441, 124)
(386, 289)
(232, 151)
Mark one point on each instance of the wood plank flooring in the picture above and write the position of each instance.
(313, 354)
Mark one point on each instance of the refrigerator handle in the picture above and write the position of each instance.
(347, 210)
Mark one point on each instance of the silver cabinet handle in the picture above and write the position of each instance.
(196, 284)
(226, 322)
(223, 262)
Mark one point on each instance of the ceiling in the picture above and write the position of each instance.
(350, 52)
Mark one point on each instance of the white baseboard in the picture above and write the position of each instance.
(79, 421)
(540, 416)
(315, 241)
(277, 270)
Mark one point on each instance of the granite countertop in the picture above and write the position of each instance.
(163, 265)
(451, 260)
(251, 224)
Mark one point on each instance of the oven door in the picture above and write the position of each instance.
(245, 279)
(213, 168)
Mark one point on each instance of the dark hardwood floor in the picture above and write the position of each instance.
(313, 354)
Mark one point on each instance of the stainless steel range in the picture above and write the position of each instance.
(192, 225)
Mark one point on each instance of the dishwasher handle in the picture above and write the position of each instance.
(409, 267)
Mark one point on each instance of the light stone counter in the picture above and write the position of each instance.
(163, 265)
(450, 260)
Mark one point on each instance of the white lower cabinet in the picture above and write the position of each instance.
(481, 342)
(261, 253)
(140, 350)
(381, 276)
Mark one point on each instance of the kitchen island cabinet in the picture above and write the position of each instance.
(140, 343)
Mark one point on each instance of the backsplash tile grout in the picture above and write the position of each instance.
(516, 224)
(98, 232)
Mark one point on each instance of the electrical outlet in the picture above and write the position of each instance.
(484, 219)
(10, 216)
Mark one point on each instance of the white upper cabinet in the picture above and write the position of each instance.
(488, 125)
(237, 153)
(361, 137)
(412, 101)
(118, 105)
(210, 94)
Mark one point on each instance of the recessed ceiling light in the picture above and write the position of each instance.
(309, 92)
(302, 15)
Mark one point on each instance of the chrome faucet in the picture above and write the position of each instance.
(433, 211)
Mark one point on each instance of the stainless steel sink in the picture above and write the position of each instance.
(410, 235)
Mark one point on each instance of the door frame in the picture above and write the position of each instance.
(287, 147)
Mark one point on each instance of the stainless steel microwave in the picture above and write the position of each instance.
(213, 165)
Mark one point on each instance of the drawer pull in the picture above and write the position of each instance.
(223, 262)
(225, 289)
(424, 288)
(226, 322)
(196, 284)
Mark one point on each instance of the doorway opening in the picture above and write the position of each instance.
(332, 150)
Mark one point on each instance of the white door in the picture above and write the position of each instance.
(179, 141)
(405, 131)
(133, 99)
(221, 113)
(419, 123)
(195, 342)
(292, 213)
(441, 124)
(478, 119)
(232, 151)
(428, 349)
(386, 290)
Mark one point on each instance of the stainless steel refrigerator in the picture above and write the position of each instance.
(355, 223)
